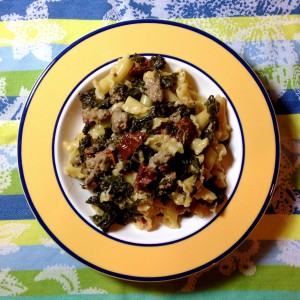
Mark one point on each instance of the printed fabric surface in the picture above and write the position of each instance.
(265, 33)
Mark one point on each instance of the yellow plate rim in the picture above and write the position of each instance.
(70, 245)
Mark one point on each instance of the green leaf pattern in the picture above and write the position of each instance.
(9, 285)
(68, 278)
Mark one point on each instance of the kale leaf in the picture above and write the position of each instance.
(114, 211)
(119, 189)
(169, 81)
(158, 62)
(219, 192)
(137, 88)
(138, 59)
(110, 214)
(89, 99)
(207, 133)
(213, 107)
(83, 144)
(119, 93)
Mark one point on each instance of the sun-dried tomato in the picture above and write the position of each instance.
(140, 67)
(130, 143)
(186, 131)
(144, 177)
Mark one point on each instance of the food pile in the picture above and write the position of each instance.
(151, 146)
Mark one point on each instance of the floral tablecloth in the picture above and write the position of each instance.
(265, 33)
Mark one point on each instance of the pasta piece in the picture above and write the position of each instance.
(117, 74)
(201, 120)
(184, 198)
(105, 196)
(164, 142)
(134, 106)
(202, 210)
(144, 224)
(102, 87)
(116, 106)
(147, 209)
(130, 177)
(200, 158)
(158, 121)
(97, 210)
(169, 96)
(121, 69)
(205, 194)
(196, 97)
(221, 151)
(183, 94)
(210, 158)
(220, 178)
(170, 216)
(72, 148)
(145, 100)
(182, 90)
(181, 77)
(96, 131)
(198, 145)
(73, 145)
(74, 172)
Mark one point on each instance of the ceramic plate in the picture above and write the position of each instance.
(53, 115)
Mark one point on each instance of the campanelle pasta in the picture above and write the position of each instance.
(151, 147)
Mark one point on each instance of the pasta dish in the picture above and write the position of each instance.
(151, 148)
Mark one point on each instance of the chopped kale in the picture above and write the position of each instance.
(99, 144)
(219, 192)
(143, 155)
(138, 59)
(183, 110)
(86, 129)
(128, 215)
(163, 196)
(119, 209)
(102, 142)
(141, 124)
(171, 130)
(180, 163)
(169, 81)
(158, 62)
(133, 164)
(143, 64)
(112, 213)
(119, 189)
(119, 93)
(107, 133)
(213, 107)
(207, 133)
(137, 88)
(94, 200)
(161, 110)
(83, 144)
(89, 99)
